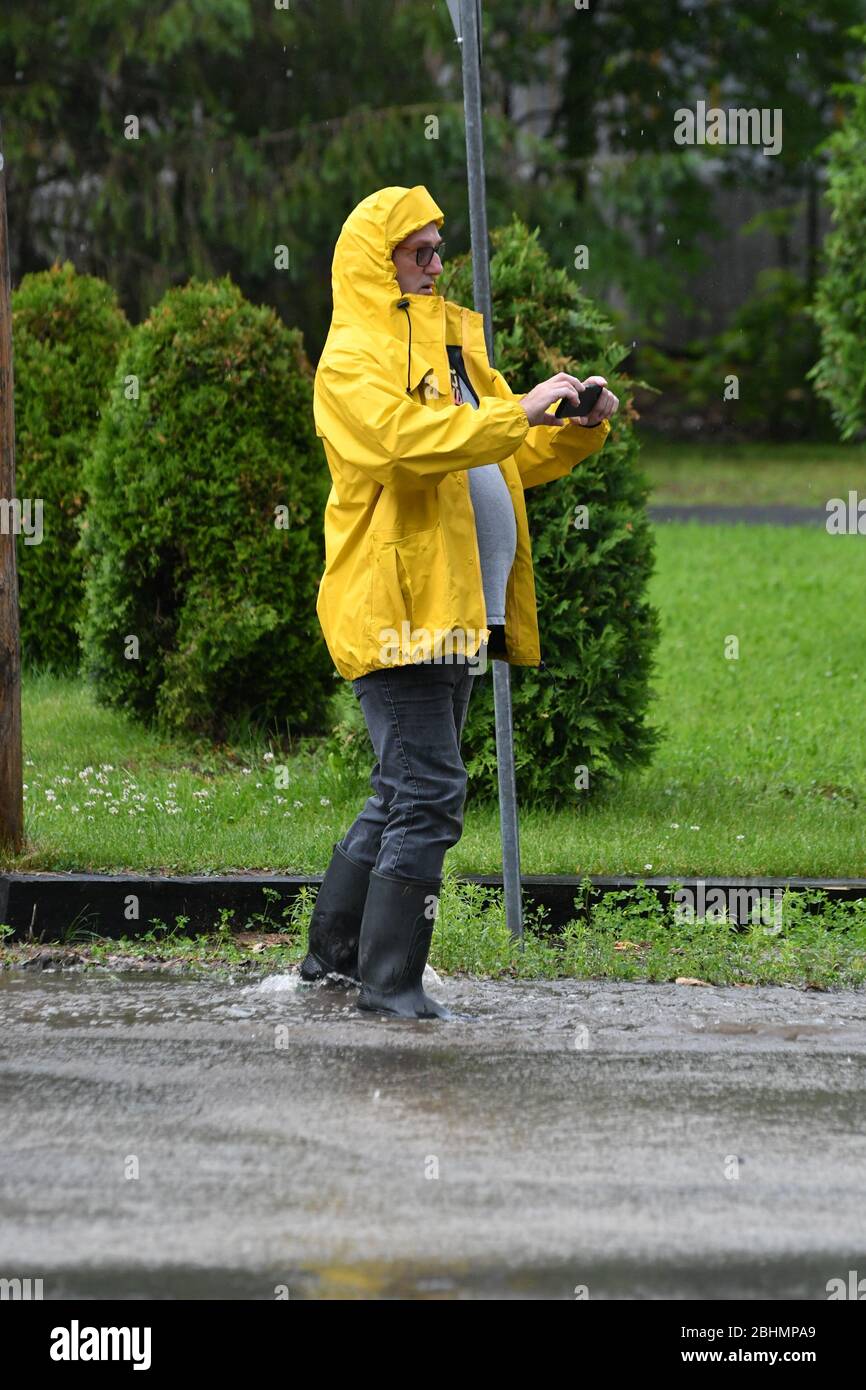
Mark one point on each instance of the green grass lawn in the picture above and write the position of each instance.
(761, 770)
(734, 475)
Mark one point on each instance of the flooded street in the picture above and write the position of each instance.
(168, 1137)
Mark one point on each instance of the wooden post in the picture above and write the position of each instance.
(11, 787)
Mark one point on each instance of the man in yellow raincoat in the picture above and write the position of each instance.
(428, 568)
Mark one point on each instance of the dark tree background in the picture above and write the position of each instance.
(261, 127)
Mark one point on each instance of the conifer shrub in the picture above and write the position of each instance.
(203, 536)
(582, 718)
(67, 331)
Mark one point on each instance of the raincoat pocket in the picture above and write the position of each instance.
(411, 584)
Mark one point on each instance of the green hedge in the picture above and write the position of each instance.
(587, 707)
(67, 331)
(183, 554)
(770, 346)
(840, 300)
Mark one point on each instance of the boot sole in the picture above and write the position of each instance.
(376, 1006)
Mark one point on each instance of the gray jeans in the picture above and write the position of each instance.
(415, 716)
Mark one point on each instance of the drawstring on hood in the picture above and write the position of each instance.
(364, 282)
(404, 304)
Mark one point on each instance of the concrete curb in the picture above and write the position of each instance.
(56, 906)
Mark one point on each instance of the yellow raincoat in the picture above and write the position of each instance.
(402, 579)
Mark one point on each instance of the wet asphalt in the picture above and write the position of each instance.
(171, 1137)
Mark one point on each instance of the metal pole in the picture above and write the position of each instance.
(467, 24)
(11, 783)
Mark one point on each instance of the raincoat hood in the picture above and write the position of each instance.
(363, 276)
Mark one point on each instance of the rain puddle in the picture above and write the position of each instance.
(168, 1136)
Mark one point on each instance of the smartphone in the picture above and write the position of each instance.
(587, 397)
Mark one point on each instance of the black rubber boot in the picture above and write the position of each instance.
(335, 925)
(395, 940)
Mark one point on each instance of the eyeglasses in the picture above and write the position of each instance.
(425, 254)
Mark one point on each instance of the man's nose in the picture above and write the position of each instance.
(435, 266)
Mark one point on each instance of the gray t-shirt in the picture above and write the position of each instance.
(495, 523)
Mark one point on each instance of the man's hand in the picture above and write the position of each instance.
(563, 386)
(606, 405)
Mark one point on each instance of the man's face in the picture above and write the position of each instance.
(412, 277)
